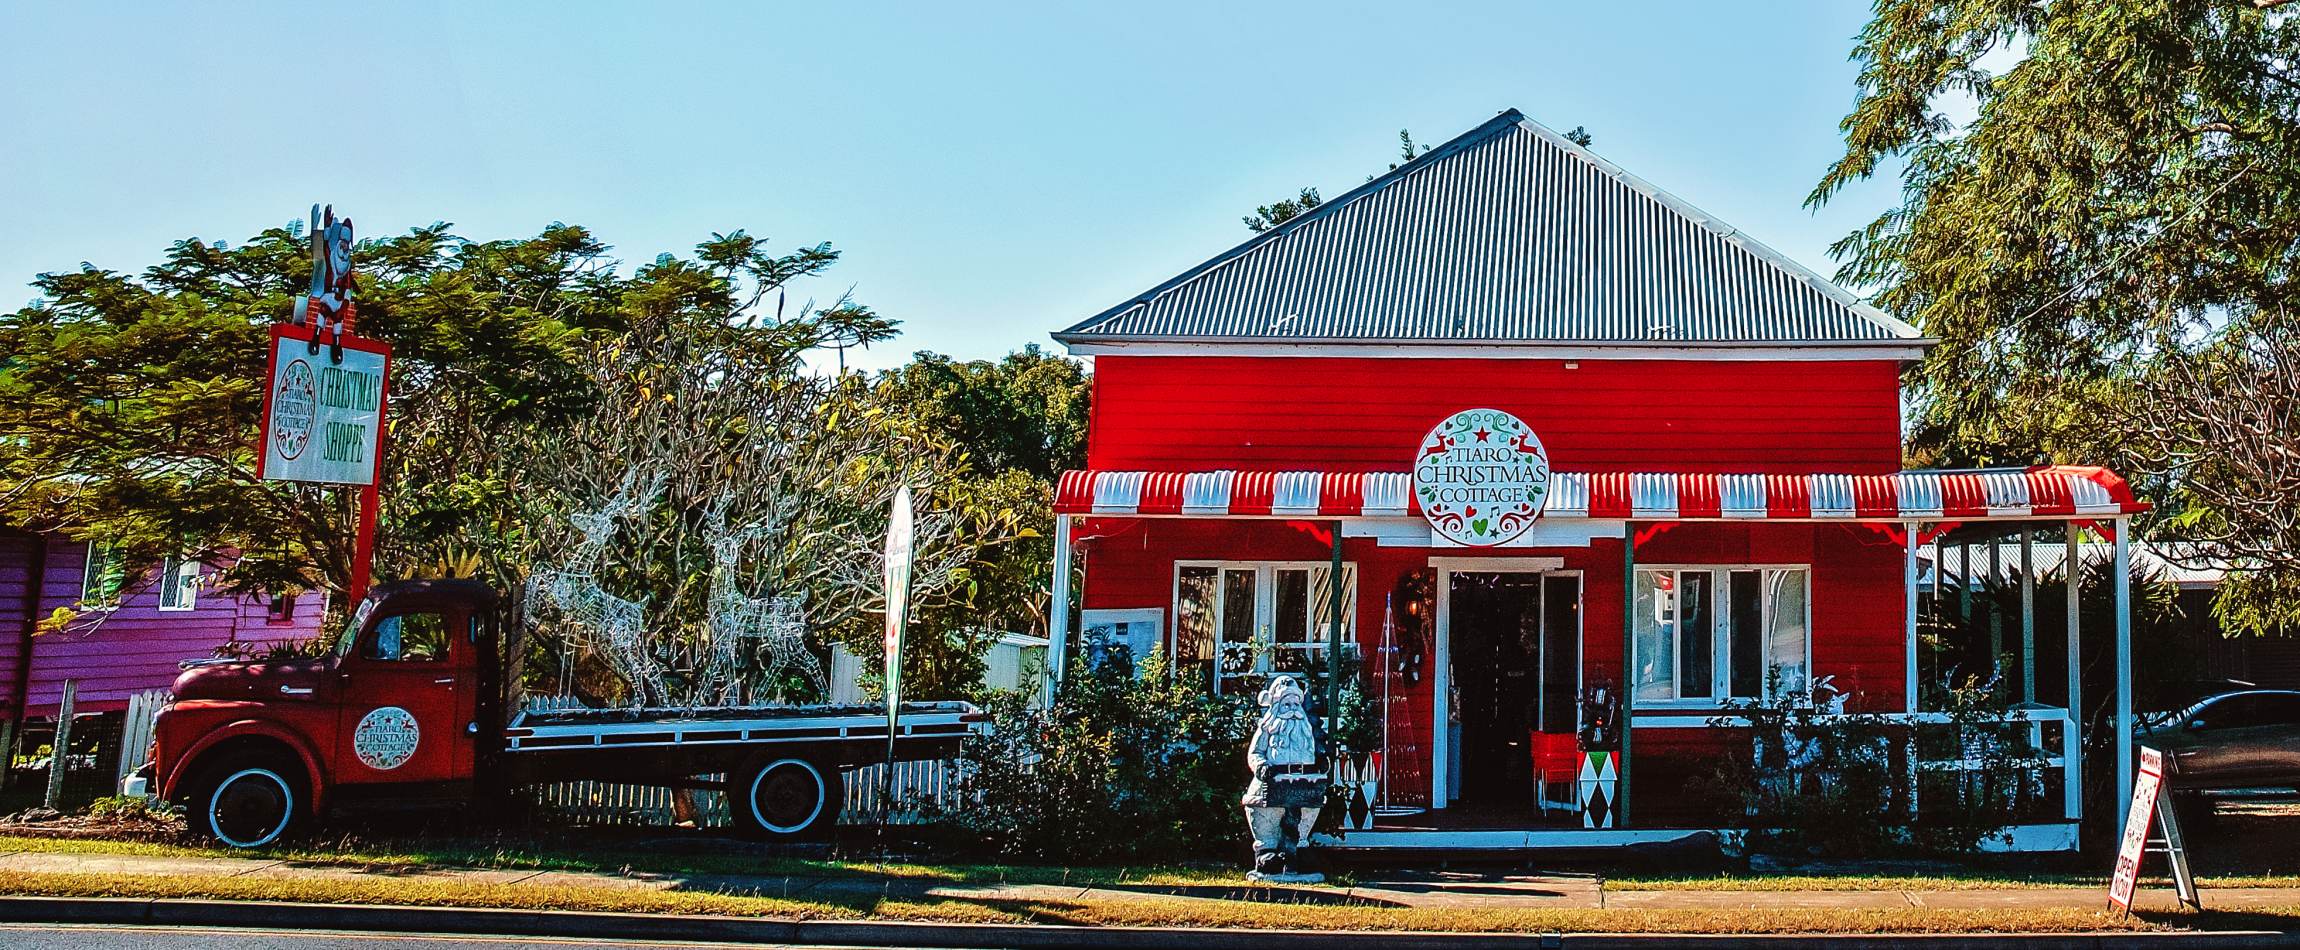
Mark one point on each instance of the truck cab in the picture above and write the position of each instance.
(398, 708)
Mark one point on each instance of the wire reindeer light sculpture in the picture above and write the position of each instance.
(770, 632)
(616, 626)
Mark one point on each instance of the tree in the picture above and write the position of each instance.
(1026, 412)
(1018, 424)
(529, 377)
(1283, 210)
(128, 405)
(716, 483)
(2125, 202)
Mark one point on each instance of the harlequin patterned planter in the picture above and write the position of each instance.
(1598, 785)
(1358, 779)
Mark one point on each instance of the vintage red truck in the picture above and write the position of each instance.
(407, 710)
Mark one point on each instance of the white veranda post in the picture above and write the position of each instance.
(2123, 529)
(1058, 612)
(1909, 611)
(2072, 765)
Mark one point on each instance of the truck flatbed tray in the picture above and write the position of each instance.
(546, 730)
(658, 714)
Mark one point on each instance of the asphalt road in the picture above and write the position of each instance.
(58, 937)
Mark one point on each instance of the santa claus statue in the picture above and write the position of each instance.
(1288, 762)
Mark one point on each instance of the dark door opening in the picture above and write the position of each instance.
(1494, 630)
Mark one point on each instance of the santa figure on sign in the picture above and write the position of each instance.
(1287, 758)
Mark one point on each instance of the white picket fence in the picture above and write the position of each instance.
(923, 791)
(136, 732)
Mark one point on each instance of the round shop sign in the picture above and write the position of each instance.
(1481, 477)
(386, 738)
(295, 409)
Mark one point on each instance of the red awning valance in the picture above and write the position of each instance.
(2044, 491)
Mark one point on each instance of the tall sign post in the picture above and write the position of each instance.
(898, 559)
(326, 390)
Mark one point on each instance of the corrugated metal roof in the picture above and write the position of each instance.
(1506, 235)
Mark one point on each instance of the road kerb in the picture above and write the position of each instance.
(907, 934)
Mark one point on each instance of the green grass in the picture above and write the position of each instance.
(1122, 912)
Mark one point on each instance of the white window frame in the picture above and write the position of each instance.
(1265, 610)
(1721, 634)
(179, 583)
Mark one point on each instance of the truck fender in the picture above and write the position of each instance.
(251, 727)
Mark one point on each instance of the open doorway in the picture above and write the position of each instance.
(1514, 665)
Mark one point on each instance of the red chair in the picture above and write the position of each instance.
(1556, 763)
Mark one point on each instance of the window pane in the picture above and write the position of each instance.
(1785, 641)
(103, 576)
(1292, 623)
(1745, 616)
(1696, 635)
(1238, 606)
(2280, 710)
(1655, 666)
(410, 637)
(1322, 602)
(1194, 616)
(1560, 654)
(2235, 712)
(1238, 658)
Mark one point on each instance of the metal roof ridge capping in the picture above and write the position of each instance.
(1506, 235)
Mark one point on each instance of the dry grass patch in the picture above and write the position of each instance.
(1922, 882)
(613, 856)
(1166, 912)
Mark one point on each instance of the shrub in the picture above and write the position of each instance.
(1848, 784)
(1126, 767)
(131, 810)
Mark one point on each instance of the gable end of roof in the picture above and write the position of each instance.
(1506, 235)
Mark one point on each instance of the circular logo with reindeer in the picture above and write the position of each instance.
(1481, 477)
(386, 738)
(295, 409)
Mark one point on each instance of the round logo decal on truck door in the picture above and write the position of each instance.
(386, 738)
(1481, 477)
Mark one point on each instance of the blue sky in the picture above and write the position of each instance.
(991, 172)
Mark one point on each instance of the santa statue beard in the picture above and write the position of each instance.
(1291, 742)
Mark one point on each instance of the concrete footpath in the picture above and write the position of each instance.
(1419, 889)
(1468, 893)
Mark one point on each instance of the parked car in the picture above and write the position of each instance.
(2243, 739)
(2166, 700)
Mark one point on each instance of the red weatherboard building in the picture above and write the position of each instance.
(1723, 436)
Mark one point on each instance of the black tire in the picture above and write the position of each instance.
(784, 798)
(247, 800)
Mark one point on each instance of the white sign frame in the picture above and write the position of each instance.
(323, 419)
(1488, 453)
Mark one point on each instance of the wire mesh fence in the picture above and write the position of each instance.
(923, 791)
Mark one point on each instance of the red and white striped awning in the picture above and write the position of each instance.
(2044, 491)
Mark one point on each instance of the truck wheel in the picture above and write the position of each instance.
(783, 799)
(246, 801)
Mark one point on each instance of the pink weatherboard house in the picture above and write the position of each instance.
(169, 613)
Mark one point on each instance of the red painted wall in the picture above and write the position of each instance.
(135, 648)
(1355, 414)
(1336, 414)
(1856, 605)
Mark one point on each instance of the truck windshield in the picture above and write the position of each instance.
(350, 635)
